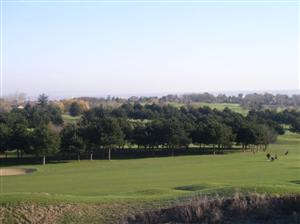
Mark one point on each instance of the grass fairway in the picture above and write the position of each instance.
(70, 119)
(159, 178)
(219, 106)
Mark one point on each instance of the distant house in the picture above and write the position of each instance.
(20, 107)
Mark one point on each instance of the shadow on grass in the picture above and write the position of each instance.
(191, 187)
(27, 162)
(120, 154)
(295, 181)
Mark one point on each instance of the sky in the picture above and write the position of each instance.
(95, 48)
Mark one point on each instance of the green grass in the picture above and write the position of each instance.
(159, 178)
(219, 106)
(70, 119)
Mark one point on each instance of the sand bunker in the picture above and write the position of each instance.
(15, 171)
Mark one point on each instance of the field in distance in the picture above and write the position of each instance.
(219, 106)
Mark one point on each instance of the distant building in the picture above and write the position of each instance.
(20, 107)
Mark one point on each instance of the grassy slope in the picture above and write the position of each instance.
(158, 178)
(219, 106)
(70, 119)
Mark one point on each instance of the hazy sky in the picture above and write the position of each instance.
(76, 48)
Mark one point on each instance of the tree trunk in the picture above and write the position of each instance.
(109, 154)
(44, 159)
(91, 156)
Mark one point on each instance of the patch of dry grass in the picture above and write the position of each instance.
(254, 208)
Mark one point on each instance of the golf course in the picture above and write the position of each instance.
(149, 112)
(158, 178)
(168, 163)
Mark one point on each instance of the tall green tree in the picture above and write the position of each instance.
(71, 141)
(5, 133)
(175, 135)
(112, 135)
(140, 135)
(45, 142)
(246, 135)
(295, 126)
(264, 136)
(75, 109)
(19, 133)
(91, 135)
(43, 100)
(198, 134)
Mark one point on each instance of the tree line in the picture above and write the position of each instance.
(249, 101)
(39, 129)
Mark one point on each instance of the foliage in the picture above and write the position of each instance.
(111, 133)
(149, 126)
(45, 142)
(71, 140)
(75, 109)
(43, 113)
